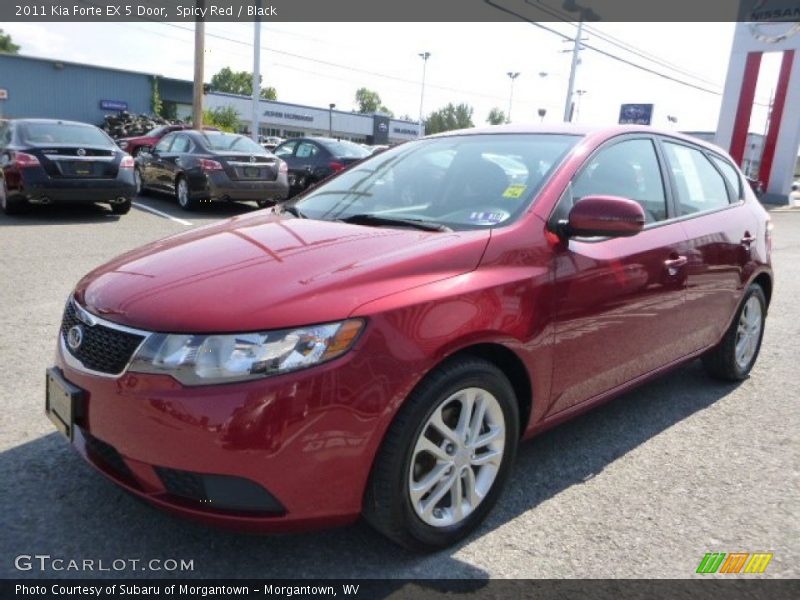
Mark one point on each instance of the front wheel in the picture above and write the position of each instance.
(733, 358)
(446, 457)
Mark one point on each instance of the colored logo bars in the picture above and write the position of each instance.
(735, 562)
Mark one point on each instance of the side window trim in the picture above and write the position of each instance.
(661, 139)
(619, 139)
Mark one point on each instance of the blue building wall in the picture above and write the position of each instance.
(50, 88)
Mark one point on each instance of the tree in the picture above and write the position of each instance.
(496, 117)
(6, 45)
(239, 82)
(225, 119)
(448, 118)
(370, 102)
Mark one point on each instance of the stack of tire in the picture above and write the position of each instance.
(125, 124)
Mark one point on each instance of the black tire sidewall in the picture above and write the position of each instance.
(473, 374)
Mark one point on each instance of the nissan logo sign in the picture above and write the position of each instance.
(75, 337)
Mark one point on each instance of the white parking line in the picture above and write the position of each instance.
(160, 213)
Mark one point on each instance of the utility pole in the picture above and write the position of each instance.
(424, 56)
(256, 74)
(576, 49)
(199, 68)
(511, 76)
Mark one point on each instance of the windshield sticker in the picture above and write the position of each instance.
(515, 190)
(488, 218)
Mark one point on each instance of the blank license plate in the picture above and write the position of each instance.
(62, 402)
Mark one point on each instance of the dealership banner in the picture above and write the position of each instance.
(369, 589)
(784, 11)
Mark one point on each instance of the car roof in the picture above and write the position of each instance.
(578, 129)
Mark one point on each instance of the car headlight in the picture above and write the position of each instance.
(208, 359)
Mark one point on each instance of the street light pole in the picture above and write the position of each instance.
(424, 56)
(199, 67)
(511, 76)
(256, 75)
(576, 49)
(331, 106)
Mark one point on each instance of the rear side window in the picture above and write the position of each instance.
(700, 187)
(731, 174)
(628, 169)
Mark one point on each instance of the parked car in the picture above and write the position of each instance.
(134, 145)
(349, 354)
(313, 159)
(271, 142)
(211, 166)
(45, 161)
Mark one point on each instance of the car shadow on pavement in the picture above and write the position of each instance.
(55, 504)
(221, 210)
(55, 214)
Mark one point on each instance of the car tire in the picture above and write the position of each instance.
(182, 195)
(733, 358)
(266, 203)
(11, 206)
(400, 500)
(122, 208)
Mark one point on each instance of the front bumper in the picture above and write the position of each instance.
(306, 440)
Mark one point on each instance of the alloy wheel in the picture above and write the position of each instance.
(748, 332)
(183, 193)
(457, 457)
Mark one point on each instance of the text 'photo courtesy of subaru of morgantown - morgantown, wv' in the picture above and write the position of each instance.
(380, 344)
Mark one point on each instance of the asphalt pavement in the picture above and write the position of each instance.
(643, 486)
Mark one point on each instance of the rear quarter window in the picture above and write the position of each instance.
(700, 187)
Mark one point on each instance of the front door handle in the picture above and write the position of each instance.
(748, 239)
(675, 263)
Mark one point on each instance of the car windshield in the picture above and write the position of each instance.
(231, 142)
(64, 133)
(459, 182)
(344, 149)
(157, 132)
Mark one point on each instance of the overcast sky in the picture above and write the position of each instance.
(319, 63)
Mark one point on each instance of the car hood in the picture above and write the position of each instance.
(264, 271)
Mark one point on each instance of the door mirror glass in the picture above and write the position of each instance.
(605, 216)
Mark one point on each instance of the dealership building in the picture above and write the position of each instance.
(56, 89)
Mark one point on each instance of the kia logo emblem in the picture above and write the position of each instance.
(75, 337)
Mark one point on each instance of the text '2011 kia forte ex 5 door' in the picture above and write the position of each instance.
(380, 345)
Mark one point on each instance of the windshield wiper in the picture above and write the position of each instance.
(293, 210)
(370, 219)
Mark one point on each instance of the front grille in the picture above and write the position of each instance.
(107, 456)
(102, 349)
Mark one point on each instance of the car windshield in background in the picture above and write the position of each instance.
(460, 182)
(231, 142)
(157, 132)
(343, 149)
(64, 133)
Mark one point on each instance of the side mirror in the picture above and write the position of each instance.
(605, 216)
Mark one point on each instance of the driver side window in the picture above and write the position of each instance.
(628, 169)
(163, 145)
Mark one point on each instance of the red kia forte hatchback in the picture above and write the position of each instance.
(379, 346)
